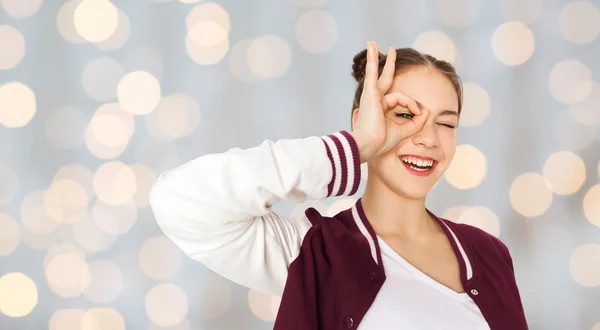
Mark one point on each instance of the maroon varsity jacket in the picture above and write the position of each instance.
(328, 269)
(334, 280)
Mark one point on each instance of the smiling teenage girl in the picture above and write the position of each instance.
(387, 262)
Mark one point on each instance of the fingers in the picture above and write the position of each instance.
(389, 70)
(420, 120)
(397, 98)
(414, 125)
(372, 69)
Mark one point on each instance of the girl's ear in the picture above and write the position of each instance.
(354, 117)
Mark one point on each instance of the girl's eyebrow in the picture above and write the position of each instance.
(443, 113)
(449, 113)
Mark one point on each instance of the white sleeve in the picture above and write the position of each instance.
(217, 208)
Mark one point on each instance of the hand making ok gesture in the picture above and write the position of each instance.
(376, 134)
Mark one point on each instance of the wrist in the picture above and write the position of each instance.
(363, 145)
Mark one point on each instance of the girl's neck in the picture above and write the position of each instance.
(392, 214)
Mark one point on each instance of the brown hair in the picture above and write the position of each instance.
(406, 58)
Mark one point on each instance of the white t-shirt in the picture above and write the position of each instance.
(410, 299)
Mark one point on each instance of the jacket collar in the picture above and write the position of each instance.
(457, 241)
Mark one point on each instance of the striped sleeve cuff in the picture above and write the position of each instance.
(345, 161)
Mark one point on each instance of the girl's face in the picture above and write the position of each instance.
(416, 164)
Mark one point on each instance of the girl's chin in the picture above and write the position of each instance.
(412, 188)
(416, 187)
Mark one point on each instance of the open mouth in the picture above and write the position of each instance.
(418, 166)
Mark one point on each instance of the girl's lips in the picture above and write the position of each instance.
(418, 157)
(419, 172)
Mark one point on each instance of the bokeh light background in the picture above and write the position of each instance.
(97, 98)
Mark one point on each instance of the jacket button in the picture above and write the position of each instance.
(374, 276)
(348, 322)
(474, 292)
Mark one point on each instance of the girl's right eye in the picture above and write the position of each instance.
(405, 115)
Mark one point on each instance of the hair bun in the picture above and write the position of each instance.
(359, 64)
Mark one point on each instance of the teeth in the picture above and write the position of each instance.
(417, 162)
